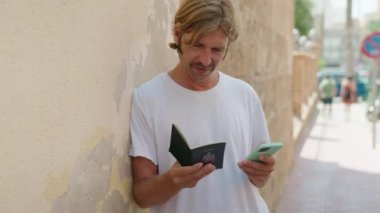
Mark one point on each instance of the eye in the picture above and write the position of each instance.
(197, 45)
(218, 50)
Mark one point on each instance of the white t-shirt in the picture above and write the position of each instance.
(230, 112)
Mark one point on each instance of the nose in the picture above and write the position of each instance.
(205, 57)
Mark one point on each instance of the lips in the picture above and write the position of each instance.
(202, 69)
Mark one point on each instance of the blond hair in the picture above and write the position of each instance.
(200, 17)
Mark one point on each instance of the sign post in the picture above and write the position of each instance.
(371, 48)
(374, 95)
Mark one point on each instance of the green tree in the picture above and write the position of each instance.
(303, 17)
(374, 25)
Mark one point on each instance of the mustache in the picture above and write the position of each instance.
(202, 66)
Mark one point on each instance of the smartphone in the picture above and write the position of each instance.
(267, 149)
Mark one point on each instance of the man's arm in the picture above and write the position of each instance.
(151, 189)
(258, 173)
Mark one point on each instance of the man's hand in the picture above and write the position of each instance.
(258, 173)
(188, 176)
(151, 189)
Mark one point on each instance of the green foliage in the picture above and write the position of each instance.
(321, 63)
(374, 25)
(303, 17)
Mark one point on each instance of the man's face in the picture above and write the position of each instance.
(200, 59)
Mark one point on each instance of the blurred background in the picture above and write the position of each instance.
(339, 27)
(336, 165)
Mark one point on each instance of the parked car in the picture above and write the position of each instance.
(338, 74)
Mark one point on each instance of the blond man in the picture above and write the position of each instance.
(208, 106)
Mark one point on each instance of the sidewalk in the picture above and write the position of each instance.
(336, 169)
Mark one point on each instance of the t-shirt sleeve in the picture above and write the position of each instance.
(142, 136)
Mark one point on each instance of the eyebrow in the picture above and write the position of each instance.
(222, 47)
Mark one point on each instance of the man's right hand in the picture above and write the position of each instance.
(188, 176)
(150, 188)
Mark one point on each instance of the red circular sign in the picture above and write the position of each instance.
(371, 45)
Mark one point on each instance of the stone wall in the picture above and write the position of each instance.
(305, 90)
(305, 69)
(263, 57)
(68, 69)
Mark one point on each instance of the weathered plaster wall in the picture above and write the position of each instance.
(263, 57)
(67, 71)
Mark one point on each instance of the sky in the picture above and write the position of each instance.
(359, 7)
(335, 10)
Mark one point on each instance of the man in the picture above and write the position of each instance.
(327, 89)
(348, 94)
(208, 106)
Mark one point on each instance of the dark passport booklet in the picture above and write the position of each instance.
(211, 153)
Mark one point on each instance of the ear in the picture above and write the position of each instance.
(177, 35)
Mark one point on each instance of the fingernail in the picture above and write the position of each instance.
(199, 165)
(210, 167)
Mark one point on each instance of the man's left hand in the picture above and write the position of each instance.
(258, 172)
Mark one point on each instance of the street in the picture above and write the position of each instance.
(336, 168)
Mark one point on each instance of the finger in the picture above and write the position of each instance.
(256, 166)
(258, 178)
(268, 159)
(199, 174)
(190, 178)
(259, 182)
(204, 171)
(179, 171)
(253, 171)
(258, 173)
